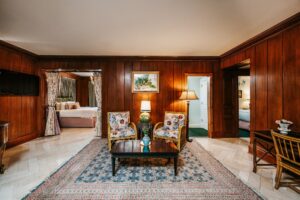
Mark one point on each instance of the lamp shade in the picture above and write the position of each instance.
(188, 95)
(145, 106)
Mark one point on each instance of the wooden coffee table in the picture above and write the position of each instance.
(133, 149)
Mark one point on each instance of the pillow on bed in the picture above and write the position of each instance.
(62, 106)
(57, 106)
(77, 105)
(70, 106)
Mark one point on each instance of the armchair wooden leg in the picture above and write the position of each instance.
(278, 176)
(178, 145)
(109, 145)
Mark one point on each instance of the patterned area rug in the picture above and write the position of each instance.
(88, 176)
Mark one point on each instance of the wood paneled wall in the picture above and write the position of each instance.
(82, 90)
(117, 95)
(275, 77)
(20, 111)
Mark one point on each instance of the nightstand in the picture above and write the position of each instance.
(142, 125)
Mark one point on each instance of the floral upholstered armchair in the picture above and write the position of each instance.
(119, 127)
(172, 129)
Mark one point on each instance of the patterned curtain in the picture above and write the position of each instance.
(98, 93)
(52, 126)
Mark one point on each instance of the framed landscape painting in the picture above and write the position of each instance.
(145, 81)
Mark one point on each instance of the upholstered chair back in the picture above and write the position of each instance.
(173, 120)
(119, 120)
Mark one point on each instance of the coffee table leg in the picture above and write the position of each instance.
(113, 160)
(175, 165)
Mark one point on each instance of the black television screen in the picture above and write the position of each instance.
(19, 84)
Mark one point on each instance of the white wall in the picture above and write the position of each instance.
(199, 108)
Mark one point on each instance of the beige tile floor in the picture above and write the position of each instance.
(233, 154)
(31, 163)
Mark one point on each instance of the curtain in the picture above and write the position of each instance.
(52, 126)
(98, 93)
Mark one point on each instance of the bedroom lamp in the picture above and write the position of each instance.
(188, 95)
(145, 111)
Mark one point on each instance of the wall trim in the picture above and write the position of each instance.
(195, 126)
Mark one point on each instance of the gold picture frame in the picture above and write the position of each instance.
(145, 81)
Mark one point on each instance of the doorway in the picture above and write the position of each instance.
(75, 100)
(236, 96)
(199, 113)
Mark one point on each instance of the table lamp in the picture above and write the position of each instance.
(145, 111)
(188, 95)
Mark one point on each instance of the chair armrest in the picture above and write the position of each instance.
(181, 128)
(133, 126)
(158, 125)
(182, 136)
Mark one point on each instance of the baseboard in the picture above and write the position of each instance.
(20, 140)
(196, 126)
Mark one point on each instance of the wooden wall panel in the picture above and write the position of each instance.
(82, 90)
(261, 101)
(291, 76)
(274, 80)
(20, 111)
(250, 54)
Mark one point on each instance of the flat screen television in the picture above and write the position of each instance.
(18, 84)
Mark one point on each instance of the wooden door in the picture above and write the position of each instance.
(230, 88)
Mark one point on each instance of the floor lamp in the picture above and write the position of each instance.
(188, 95)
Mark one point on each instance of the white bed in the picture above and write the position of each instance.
(83, 117)
(244, 115)
(82, 112)
(244, 119)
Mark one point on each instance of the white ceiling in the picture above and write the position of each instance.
(138, 27)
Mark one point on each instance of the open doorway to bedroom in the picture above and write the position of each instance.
(73, 101)
(76, 101)
(199, 110)
(244, 101)
(236, 95)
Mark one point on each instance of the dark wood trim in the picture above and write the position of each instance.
(16, 48)
(287, 23)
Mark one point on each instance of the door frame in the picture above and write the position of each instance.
(210, 99)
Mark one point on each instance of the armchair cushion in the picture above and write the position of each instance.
(118, 120)
(122, 132)
(173, 121)
(166, 132)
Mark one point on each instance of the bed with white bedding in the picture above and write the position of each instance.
(83, 117)
(83, 112)
(244, 119)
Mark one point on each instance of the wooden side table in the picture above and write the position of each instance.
(265, 141)
(142, 125)
(3, 141)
